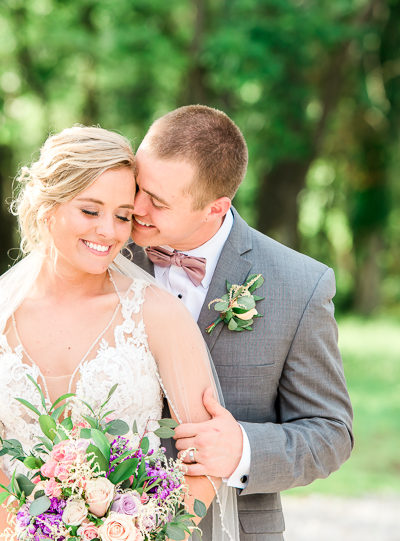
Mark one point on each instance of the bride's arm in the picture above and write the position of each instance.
(3, 512)
(179, 349)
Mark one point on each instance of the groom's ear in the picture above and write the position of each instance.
(218, 208)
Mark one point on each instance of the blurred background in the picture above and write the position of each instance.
(315, 87)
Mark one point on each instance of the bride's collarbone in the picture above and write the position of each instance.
(56, 336)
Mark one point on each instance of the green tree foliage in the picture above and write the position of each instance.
(313, 85)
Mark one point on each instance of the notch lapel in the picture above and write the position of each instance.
(232, 266)
(137, 255)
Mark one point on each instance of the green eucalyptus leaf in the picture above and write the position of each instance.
(199, 508)
(175, 532)
(38, 494)
(85, 433)
(221, 306)
(33, 462)
(164, 432)
(171, 423)
(67, 423)
(144, 445)
(29, 405)
(60, 399)
(135, 427)
(3, 497)
(25, 484)
(102, 442)
(91, 420)
(39, 390)
(246, 302)
(46, 442)
(232, 325)
(39, 506)
(58, 411)
(99, 459)
(111, 392)
(48, 426)
(117, 427)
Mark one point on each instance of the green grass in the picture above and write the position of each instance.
(371, 357)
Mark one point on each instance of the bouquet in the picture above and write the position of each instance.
(88, 481)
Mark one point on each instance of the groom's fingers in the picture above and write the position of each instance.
(188, 430)
(186, 443)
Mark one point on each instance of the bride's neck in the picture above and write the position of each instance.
(67, 283)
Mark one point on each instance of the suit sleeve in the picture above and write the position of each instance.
(313, 436)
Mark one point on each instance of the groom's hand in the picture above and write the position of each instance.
(218, 442)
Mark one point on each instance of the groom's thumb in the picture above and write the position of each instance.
(210, 403)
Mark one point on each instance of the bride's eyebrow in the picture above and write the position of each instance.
(98, 202)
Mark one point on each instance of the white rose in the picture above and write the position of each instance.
(99, 495)
(119, 527)
(247, 315)
(74, 512)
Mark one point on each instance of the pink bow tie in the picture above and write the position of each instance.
(195, 267)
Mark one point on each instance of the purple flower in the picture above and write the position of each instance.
(126, 504)
(23, 516)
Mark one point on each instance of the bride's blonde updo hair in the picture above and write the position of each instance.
(69, 162)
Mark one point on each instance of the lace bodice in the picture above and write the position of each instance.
(121, 356)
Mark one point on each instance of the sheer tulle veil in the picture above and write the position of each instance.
(16, 284)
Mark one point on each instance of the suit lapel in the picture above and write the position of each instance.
(232, 266)
(138, 256)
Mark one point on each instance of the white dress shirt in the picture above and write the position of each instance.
(175, 280)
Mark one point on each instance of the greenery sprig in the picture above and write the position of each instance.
(237, 307)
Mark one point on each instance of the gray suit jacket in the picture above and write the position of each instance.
(284, 380)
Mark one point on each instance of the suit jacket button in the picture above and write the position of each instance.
(244, 479)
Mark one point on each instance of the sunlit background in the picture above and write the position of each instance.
(315, 87)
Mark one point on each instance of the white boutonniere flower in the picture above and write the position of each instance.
(237, 307)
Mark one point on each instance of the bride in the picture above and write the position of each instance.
(77, 316)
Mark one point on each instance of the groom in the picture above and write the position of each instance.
(288, 416)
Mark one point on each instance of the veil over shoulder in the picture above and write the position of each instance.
(178, 377)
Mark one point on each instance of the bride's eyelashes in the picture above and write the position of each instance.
(95, 213)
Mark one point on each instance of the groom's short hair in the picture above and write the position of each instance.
(210, 141)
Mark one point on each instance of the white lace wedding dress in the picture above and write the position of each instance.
(120, 354)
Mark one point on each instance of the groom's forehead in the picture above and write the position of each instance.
(164, 173)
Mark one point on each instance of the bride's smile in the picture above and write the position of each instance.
(88, 231)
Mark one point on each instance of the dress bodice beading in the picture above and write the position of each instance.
(122, 356)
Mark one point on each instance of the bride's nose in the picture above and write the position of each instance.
(105, 226)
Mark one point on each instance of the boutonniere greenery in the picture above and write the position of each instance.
(237, 307)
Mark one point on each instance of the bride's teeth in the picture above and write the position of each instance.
(142, 223)
(98, 247)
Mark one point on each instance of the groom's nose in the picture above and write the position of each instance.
(140, 204)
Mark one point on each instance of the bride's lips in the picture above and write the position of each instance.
(97, 248)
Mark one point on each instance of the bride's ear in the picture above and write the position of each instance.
(218, 208)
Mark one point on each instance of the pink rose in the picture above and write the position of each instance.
(48, 468)
(119, 528)
(52, 488)
(62, 471)
(99, 495)
(144, 498)
(88, 531)
(64, 452)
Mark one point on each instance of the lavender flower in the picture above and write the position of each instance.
(126, 504)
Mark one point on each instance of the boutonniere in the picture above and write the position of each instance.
(237, 307)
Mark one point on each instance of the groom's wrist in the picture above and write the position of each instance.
(240, 477)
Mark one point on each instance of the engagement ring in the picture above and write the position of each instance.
(191, 456)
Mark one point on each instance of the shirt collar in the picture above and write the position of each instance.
(211, 249)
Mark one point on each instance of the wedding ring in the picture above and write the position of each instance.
(191, 456)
